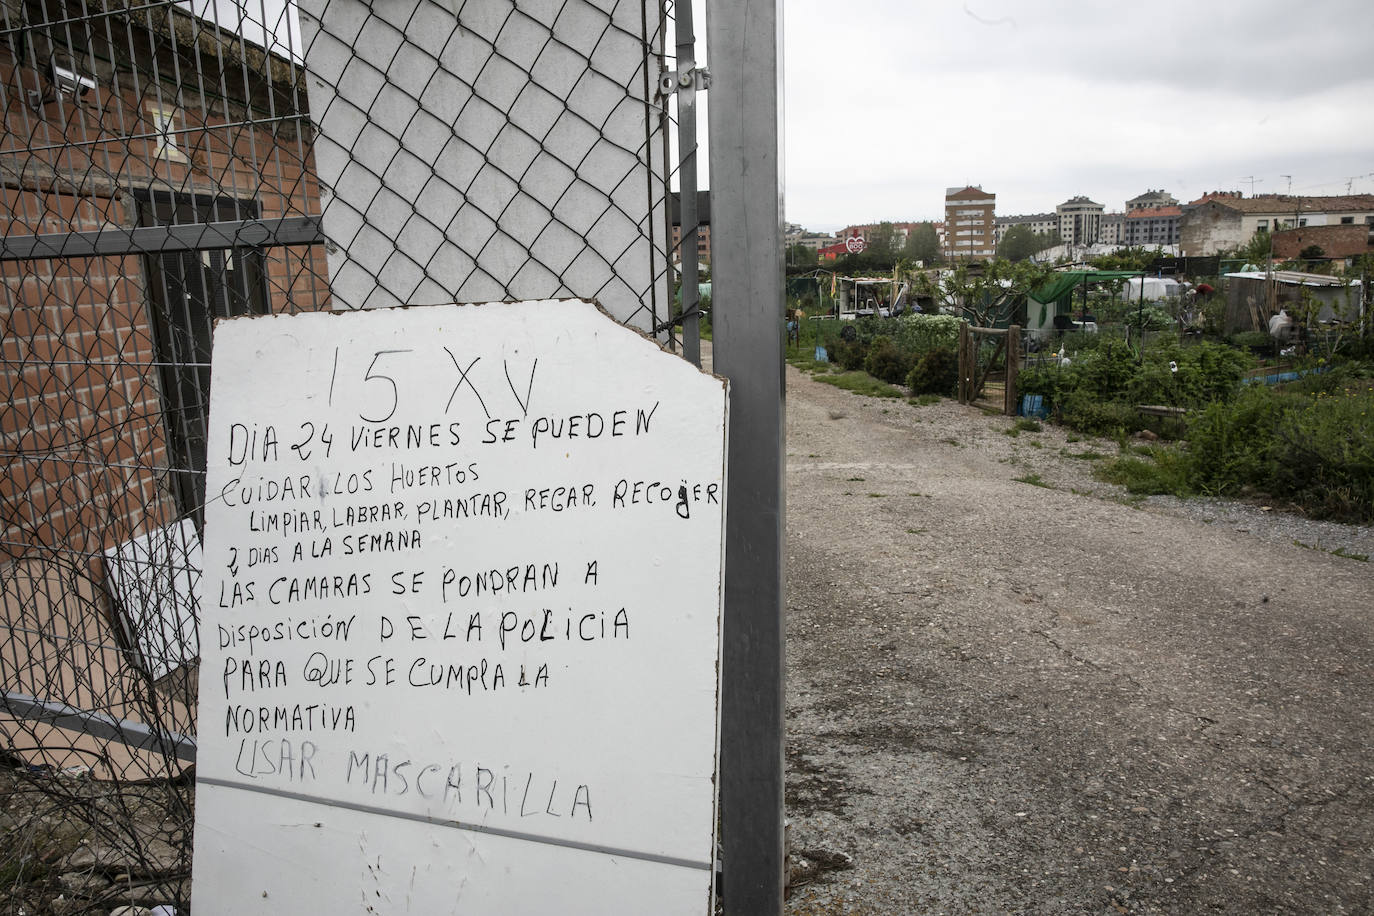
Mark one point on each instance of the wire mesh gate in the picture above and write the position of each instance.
(159, 172)
(989, 360)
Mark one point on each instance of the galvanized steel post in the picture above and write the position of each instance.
(744, 43)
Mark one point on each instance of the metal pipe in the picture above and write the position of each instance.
(687, 180)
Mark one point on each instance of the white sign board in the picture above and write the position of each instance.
(461, 621)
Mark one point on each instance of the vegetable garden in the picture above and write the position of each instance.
(1216, 426)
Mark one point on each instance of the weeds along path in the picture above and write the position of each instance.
(1036, 696)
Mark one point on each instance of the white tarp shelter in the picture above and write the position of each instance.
(1156, 288)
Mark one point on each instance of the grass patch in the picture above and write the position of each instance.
(1027, 425)
(1148, 472)
(1034, 480)
(1085, 455)
(924, 400)
(1337, 552)
(806, 361)
(876, 495)
(854, 480)
(861, 383)
(916, 531)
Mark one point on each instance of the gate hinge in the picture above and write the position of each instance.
(698, 78)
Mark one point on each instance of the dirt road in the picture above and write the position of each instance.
(1039, 697)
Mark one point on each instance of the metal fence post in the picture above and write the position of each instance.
(687, 183)
(744, 47)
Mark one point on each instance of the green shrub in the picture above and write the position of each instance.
(1198, 375)
(1253, 341)
(937, 372)
(1149, 318)
(1079, 342)
(849, 354)
(885, 361)
(1163, 470)
(1106, 371)
(1317, 451)
(1049, 381)
(1329, 380)
(918, 334)
(1087, 413)
(870, 327)
(1231, 445)
(1323, 455)
(1357, 346)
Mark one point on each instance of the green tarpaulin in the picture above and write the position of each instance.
(1061, 285)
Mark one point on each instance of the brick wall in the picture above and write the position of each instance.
(83, 451)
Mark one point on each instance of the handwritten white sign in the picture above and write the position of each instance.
(461, 620)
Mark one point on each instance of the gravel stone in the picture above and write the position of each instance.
(1044, 696)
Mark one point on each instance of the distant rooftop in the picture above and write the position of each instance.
(1293, 203)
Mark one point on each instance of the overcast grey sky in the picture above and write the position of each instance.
(889, 102)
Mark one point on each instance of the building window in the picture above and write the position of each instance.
(1347, 220)
(1262, 226)
(187, 291)
(164, 125)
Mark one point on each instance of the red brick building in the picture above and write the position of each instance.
(155, 175)
(1339, 244)
(130, 149)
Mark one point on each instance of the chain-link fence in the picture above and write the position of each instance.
(164, 166)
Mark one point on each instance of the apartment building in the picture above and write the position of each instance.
(1152, 226)
(1080, 221)
(1151, 200)
(1039, 223)
(970, 223)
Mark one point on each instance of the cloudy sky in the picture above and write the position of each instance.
(891, 101)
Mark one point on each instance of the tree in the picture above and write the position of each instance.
(1258, 250)
(1020, 243)
(1136, 257)
(922, 244)
(985, 295)
(882, 245)
(801, 256)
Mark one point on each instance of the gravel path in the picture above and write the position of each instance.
(1041, 696)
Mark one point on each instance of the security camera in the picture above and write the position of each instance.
(65, 80)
